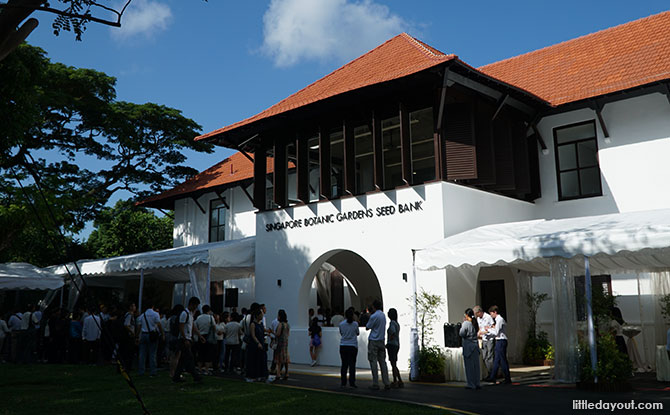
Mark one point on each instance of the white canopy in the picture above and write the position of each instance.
(22, 276)
(634, 241)
(226, 259)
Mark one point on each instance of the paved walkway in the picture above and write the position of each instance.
(531, 392)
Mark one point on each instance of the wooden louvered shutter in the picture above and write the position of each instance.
(504, 155)
(521, 162)
(459, 142)
(486, 166)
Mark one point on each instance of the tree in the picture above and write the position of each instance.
(427, 305)
(71, 114)
(71, 15)
(128, 229)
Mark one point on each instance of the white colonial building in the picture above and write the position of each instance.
(342, 181)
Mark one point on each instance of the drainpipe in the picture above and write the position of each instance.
(589, 317)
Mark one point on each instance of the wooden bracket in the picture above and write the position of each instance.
(202, 209)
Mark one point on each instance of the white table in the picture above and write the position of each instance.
(454, 368)
(662, 364)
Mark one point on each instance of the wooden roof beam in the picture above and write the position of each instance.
(597, 106)
(202, 209)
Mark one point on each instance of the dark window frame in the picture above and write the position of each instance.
(579, 168)
(217, 226)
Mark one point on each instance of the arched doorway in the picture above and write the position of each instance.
(347, 271)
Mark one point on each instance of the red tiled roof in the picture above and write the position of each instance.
(233, 169)
(400, 56)
(614, 59)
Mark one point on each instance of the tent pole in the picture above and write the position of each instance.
(589, 316)
(183, 294)
(208, 295)
(61, 295)
(139, 300)
(414, 337)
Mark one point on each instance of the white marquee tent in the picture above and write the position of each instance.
(195, 264)
(23, 276)
(621, 242)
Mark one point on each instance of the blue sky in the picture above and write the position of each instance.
(222, 61)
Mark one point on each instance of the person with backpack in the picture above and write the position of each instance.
(315, 340)
(187, 330)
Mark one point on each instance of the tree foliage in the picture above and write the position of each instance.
(427, 306)
(127, 229)
(55, 120)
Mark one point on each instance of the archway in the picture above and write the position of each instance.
(359, 281)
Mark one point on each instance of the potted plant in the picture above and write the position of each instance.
(432, 360)
(537, 350)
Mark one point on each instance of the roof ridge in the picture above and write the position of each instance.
(424, 47)
(588, 35)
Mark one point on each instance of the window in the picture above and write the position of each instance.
(314, 166)
(336, 163)
(363, 148)
(603, 283)
(391, 152)
(423, 149)
(577, 170)
(217, 221)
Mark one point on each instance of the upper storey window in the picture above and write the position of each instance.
(577, 170)
(217, 221)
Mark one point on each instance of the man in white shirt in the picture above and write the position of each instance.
(232, 332)
(376, 347)
(91, 335)
(500, 360)
(337, 318)
(151, 331)
(488, 340)
(186, 333)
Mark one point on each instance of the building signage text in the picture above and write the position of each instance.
(353, 215)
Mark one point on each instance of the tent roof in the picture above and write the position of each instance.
(22, 276)
(633, 241)
(227, 259)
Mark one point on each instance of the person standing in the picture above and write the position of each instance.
(376, 351)
(28, 335)
(206, 350)
(393, 345)
(127, 341)
(314, 333)
(4, 333)
(468, 333)
(232, 332)
(14, 324)
(348, 348)
(273, 341)
(150, 333)
(500, 360)
(186, 329)
(90, 334)
(257, 367)
(484, 320)
(281, 355)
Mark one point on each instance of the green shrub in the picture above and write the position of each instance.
(537, 348)
(613, 366)
(431, 361)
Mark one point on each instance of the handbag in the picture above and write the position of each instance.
(153, 334)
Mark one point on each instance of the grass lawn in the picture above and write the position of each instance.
(66, 389)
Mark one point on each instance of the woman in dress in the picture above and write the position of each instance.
(468, 332)
(258, 361)
(281, 352)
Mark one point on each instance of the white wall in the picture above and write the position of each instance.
(633, 160)
(466, 208)
(191, 226)
(384, 242)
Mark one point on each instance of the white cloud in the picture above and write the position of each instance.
(323, 30)
(143, 18)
